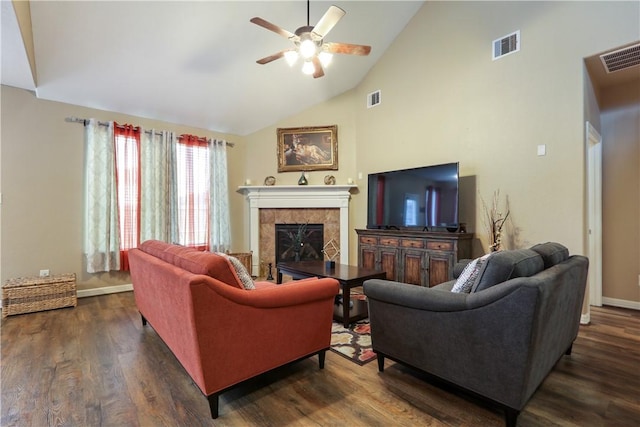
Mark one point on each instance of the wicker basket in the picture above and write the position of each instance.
(244, 258)
(29, 294)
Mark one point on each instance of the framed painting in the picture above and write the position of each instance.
(308, 148)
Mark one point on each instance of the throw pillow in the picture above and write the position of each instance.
(470, 275)
(241, 271)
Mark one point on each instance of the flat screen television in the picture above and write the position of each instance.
(424, 198)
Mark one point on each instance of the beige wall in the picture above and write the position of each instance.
(621, 192)
(448, 101)
(444, 99)
(262, 158)
(42, 185)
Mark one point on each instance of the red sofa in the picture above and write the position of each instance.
(222, 333)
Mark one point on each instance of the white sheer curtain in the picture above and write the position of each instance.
(158, 192)
(101, 243)
(219, 222)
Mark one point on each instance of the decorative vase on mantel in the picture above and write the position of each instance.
(303, 180)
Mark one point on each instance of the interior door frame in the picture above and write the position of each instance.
(594, 212)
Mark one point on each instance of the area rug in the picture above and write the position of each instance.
(353, 343)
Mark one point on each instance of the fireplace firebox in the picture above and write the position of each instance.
(299, 242)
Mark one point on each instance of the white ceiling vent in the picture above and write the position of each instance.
(506, 45)
(374, 98)
(621, 59)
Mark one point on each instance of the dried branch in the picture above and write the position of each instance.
(494, 221)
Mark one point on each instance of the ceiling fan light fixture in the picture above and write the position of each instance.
(291, 57)
(309, 43)
(308, 48)
(308, 68)
(325, 58)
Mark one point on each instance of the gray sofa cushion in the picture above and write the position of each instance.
(505, 265)
(552, 253)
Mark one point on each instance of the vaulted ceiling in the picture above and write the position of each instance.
(192, 63)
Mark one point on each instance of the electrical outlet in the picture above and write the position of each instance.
(44, 273)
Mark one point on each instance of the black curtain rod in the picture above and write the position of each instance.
(85, 121)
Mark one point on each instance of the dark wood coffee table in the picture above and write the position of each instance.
(347, 275)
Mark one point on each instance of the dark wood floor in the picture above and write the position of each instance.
(95, 365)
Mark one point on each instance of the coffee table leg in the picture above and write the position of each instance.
(346, 300)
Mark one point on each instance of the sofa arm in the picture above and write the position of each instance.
(289, 294)
(414, 296)
(436, 299)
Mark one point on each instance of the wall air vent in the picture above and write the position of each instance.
(621, 59)
(374, 98)
(506, 45)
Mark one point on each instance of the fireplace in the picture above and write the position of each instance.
(296, 204)
(299, 242)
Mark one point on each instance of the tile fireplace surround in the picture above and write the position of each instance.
(315, 204)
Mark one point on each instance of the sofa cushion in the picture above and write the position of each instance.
(157, 248)
(194, 261)
(505, 265)
(470, 275)
(241, 271)
(552, 253)
(177, 255)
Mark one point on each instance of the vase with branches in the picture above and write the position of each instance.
(494, 220)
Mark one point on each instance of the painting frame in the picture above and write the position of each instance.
(311, 148)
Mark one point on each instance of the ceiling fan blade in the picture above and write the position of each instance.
(328, 21)
(347, 49)
(319, 72)
(273, 57)
(272, 27)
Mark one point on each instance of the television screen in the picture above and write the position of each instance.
(410, 198)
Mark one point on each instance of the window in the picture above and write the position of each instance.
(192, 190)
(410, 209)
(192, 176)
(151, 185)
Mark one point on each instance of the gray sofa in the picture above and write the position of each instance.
(497, 342)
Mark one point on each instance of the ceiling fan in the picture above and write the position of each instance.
(309, 43)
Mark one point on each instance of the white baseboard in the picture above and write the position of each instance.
(82, 293)
(635, 305)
